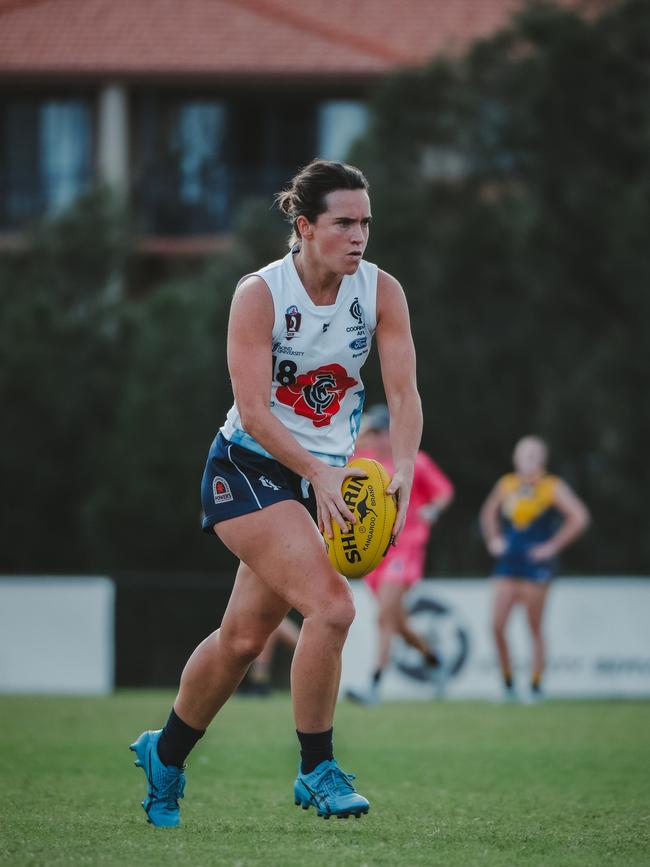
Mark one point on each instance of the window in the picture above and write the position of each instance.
(45, 156)
(340, 123)
(181, 188)
(199, 159)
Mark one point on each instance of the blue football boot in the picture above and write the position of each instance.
(165, 783)
(330, 790)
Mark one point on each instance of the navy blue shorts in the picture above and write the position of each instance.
(237, 481)
(519, 565)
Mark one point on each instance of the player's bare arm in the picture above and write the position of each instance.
(250, 331)
(397, 359)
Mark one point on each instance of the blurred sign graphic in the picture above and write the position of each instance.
(596, 629)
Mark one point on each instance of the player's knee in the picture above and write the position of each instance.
(339, 614)
(343, 615)
(246, 646)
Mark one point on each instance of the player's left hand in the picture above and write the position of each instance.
(545, 551)
(400, 485)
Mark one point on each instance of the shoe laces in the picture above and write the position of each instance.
(170, 790)
(334, 781)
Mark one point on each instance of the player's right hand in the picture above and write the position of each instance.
(327, 483)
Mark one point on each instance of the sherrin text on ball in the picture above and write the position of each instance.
(361, 547)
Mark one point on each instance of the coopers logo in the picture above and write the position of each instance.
(365, 528)
(356, 311)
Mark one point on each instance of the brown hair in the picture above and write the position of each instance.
(306, 194)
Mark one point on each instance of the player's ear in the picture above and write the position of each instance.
(304, 227)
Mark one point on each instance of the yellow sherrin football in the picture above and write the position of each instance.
(361, 548)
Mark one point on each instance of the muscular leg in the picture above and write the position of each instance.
(283, 547)
(218, 664)
(506, 592)
(534, 597)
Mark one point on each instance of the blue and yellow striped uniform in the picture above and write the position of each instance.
(528, 518)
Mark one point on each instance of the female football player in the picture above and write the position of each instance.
(528, 518)
(299, 331)
(403, 566)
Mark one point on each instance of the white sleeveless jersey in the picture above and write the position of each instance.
(318, 352)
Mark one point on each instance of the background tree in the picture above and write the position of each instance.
(511, 196)
(60, 375)
(511, 191)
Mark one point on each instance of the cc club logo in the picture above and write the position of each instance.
(317, 394)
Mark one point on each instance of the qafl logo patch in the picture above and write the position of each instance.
(221, 490)
(292, 318)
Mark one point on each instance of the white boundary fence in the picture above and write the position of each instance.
(57, 635)
(597, 632)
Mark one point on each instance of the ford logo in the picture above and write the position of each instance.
(359, 343)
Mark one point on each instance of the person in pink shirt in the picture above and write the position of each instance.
(431, 494)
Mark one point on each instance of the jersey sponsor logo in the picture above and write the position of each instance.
(359, 343)
(268, 483)
(221, 490)
(280, 349)
(317, 394)
(356, 311)
(326, 325)
(293, 319)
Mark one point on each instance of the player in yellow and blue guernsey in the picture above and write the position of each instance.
(527, 519)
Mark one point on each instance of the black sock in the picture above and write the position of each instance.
(176, 741)
(314, 749)
(376, 676)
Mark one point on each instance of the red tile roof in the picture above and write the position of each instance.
(236, 38)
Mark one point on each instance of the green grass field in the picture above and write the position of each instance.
(563, 783)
